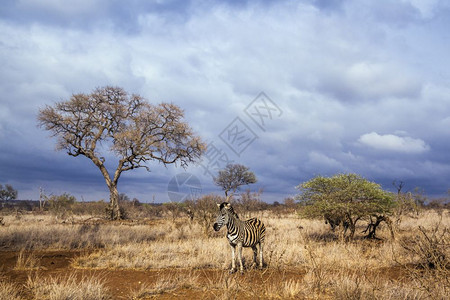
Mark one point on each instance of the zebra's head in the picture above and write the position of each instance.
(224, 215)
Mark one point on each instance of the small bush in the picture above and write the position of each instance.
(95, 208)
(27, 261)
(432, 247)
(61, 205)
(204, 211)
(250, 202)
(431, 273)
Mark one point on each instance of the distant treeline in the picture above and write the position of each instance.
(19, 204)
(30, 205)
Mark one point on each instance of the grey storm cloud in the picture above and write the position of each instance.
(362, 85)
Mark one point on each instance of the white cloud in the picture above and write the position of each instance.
(390, 142)
(381, 80)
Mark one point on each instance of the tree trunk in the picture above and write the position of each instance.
(352, 226)
(352, 231)
(114, 212)
(373, 225)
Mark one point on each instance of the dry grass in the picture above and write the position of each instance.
(9, 291)
(27, 261)
(68, 287)
(41, 233)
(158, 255)
(288, 289)
(328, 267)
(55, 288)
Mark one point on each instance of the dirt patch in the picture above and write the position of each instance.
(48, 260)
(124, 283)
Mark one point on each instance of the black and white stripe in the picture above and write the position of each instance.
(249, 233)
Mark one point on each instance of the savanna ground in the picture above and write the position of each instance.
(174, 255)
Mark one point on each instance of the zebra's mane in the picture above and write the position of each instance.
(229, 208)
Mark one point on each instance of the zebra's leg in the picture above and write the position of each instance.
(261, 260)
(255, 254)
(233, 259)
(240, 257)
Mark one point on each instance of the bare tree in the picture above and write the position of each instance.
(43, 198)
(135, 131)
(233, 177)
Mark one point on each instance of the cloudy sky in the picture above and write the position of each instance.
(291, 89)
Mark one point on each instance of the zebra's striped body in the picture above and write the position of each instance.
(249, 233)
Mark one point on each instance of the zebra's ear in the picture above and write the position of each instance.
(228, 205)
(218, 205)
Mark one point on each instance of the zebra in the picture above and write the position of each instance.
(335, 221)
(240, 233)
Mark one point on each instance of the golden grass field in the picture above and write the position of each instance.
(173, 257)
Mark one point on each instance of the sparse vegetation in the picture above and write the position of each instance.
(166, 253)
(26, 261)
(167, 283)
(67, 287)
